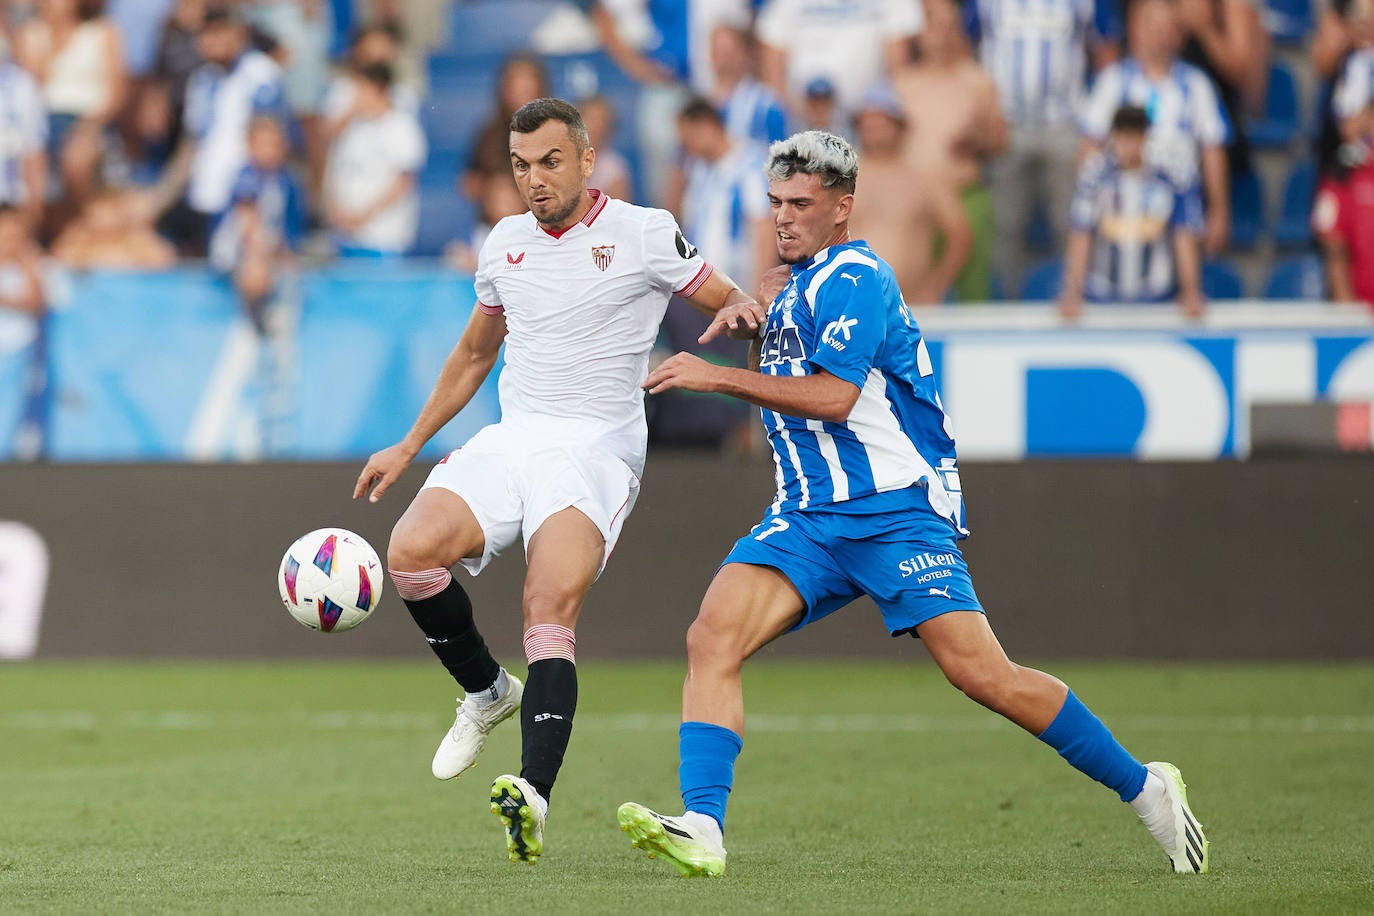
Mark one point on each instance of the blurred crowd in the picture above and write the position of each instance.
(1108, 138)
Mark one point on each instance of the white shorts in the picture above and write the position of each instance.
(513, 484)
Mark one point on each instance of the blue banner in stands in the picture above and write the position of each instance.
(164, 368)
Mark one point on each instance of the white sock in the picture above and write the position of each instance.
(1150, 798)
(496, 691)
(540, 803)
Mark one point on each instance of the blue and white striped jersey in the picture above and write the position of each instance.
(720, 204)
(1036, 50)
(753, 113)
(1132, 216)
(841, 312)
(1355, 88)
(1185, 113)
(23, 128)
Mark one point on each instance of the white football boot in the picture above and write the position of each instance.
(464, 741)
(1172, 823)
(522, 812)
(692, 843)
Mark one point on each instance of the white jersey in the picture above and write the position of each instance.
(582, 312)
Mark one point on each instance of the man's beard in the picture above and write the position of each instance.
(562, 214)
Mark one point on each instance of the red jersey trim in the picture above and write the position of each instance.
(599, 201)
(695, 283)
(491, 309)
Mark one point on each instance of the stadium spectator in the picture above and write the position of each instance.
(1188, 129)
(235, 83)
(419, 27)
(1333, 42)
(77, 56)
(112, 234)
(1037, 52)
(371, 201)
(304, 30)
(23, 142)
(725, 202)
(139, 23)
(901, 212)
(162, 102)
(674, 64)
(1226, 40)
(255, 238)
(820, 111)
(610, 172)
(1355, 89)
(373, 44)
(1134, 231)
(500, 198)
(852, 43)
(523, 79)
(21, 275)
(956, 126)
(751, 109)
(1343, 216)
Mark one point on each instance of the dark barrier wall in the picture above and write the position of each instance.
(1214, 560)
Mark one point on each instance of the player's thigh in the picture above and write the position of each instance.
(564, 557)
(436, 531)
(746, 607)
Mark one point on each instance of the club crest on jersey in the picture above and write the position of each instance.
(513, 260)
(602, 255)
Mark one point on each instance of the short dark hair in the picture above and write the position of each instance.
(531, 116)
(378, 73)
(1131, 118)
(700, 108)
(391, 29)
(220, 15)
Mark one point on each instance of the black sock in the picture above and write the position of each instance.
(446, 620)
(546, 718)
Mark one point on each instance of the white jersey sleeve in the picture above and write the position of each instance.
(671, 263)
(488, 298)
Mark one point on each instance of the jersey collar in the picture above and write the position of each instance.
(599, 202)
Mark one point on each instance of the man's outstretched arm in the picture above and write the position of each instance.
(819, 396)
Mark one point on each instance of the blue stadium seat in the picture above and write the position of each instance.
(1294, 225)
(1289, 21)
(444, 216)
(1043, 282)
(1279, 123)
(1247, 210)
(1221, 280)
(495, 26)
(1300, 277)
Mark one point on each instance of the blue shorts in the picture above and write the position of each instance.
(890, 546)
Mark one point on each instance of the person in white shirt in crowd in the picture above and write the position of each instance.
(77, 56)
(373, 44)
(235, 84)
(751, 109)
(852, 43)
(23, 142)
(1038, 53)
(1188, 127)
(371, 198)
(304, 28)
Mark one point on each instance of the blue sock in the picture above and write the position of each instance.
(1082, 740)
(707, 770)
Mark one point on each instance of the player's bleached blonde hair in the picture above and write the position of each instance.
(814, 152)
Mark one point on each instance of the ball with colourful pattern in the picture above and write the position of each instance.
(330, 580)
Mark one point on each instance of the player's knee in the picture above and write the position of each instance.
(711, 642)
(991, 687)
(409, 550)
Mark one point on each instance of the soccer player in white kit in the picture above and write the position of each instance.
(575, 289)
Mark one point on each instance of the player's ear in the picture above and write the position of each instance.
(588, 161)
(843, 207)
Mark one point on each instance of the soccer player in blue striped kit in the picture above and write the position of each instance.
(869, 503)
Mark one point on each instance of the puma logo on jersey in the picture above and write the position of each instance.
(513, 260)
(850, 277)
(942, 592)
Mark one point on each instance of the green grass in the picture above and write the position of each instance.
(862, 789)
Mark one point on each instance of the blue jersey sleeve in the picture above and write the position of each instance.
(850, 322)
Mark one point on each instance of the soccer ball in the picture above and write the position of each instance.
(330, 580)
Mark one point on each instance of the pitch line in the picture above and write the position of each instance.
(863, 723)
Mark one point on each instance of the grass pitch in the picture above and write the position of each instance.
(289, 788)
